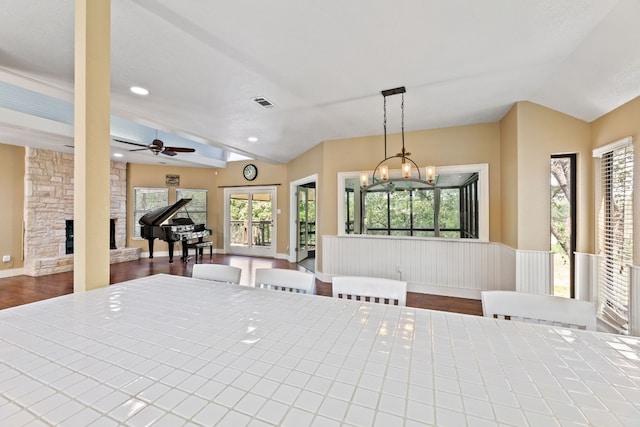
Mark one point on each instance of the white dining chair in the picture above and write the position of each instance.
(217, 272)
(544, 309)
(370, 289)
(283, 279)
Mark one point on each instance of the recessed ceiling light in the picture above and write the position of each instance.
(139, 90)
(117, 154)
(252, 139)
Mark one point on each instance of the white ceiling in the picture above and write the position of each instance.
(324, 63)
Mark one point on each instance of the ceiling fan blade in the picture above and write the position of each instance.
(168, 152)
(180, 149)
(139, 149)
(130, 143)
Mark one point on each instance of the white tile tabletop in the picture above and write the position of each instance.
(173, 351)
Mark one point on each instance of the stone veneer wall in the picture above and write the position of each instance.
(49, 202)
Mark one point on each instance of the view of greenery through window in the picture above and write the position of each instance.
(561, 225)
(261, 219)
(145, 200)
(424, 213)
(196, 209)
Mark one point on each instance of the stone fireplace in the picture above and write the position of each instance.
(49, 202)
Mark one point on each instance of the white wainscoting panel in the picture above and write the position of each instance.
(586, 276)
(446, 267)
(534, 272)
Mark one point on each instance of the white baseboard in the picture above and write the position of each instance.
(12, 272)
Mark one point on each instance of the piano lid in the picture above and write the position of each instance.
(159, 215)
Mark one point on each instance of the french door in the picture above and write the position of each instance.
(249, 217)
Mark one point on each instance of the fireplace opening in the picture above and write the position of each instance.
(69, 235)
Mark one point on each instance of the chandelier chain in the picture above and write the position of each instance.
(402, 121)
(385, 126)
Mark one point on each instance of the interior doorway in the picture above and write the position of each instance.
(303, 242)
(306, 221)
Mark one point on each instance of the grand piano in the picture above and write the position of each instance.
(177, 230)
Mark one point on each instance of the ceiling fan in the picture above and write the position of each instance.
(157, 146)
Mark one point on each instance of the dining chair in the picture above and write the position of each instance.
(544, 309)
(370, 289)
(283, 279)
(217, 272)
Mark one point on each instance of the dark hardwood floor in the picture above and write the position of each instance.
(20, 290)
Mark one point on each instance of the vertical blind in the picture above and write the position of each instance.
(615, 225)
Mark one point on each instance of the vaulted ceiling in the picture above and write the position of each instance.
(322, 64)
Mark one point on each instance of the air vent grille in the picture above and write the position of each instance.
(264, 102)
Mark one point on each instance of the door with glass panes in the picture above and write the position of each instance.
(250, 226)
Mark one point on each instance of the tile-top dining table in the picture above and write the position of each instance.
(167, 350)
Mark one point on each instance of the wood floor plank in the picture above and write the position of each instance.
(18, 290)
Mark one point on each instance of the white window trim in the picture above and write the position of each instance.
(623, 142)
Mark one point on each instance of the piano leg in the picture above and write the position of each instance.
(170, 242)
(150, 248)
(185, 251)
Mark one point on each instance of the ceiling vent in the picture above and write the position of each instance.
(264, 102)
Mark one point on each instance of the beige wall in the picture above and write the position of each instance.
(310, 163)
(509, 177)
(622, 122)
(460, 145)
(139, 175)
(12, 206)
(541, 133)
(268, 174)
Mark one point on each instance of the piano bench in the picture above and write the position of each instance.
(199, 247)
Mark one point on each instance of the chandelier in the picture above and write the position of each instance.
(411, 176)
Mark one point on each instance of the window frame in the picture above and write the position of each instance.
(482, 169)
(136, 233)
(188, 209)
(613, 277)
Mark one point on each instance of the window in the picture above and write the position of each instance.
(145, 200)
(615, 223)
(196, 209)
(563, 222)
(434, 212)
(457, 207)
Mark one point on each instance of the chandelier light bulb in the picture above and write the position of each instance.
(406, 170)
(384, 172)
(430, 173)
